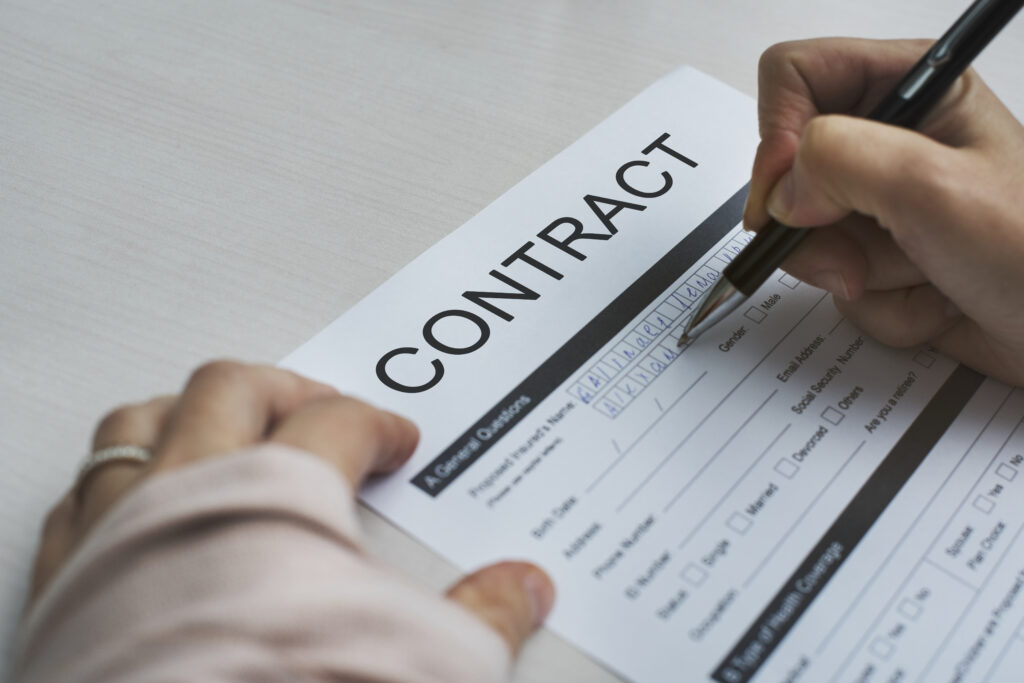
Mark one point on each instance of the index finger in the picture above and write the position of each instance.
(801, 79)
(228, 405)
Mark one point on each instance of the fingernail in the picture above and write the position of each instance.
(541, 595)
(780, 201)
(746, 212)
(832, 282)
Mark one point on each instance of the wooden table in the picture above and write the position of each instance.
(203, 178)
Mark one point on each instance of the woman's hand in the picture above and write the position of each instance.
(925, 236)
(227, 406)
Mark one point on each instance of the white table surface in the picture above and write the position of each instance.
(206, 178)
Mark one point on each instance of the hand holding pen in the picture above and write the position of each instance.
(925, 236)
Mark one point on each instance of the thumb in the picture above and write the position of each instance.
(513, 598)
(845, 164)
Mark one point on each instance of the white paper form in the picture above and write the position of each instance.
(782, 500)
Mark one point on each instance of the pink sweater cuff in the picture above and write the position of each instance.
(247, 566)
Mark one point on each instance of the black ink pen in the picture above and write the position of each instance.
(905, 106)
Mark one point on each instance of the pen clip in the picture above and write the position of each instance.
(944, 49)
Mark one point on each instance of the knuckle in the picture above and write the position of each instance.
(367, 421)
(349, 406)
(929, 175)
(349, 417)
(217, 372)
(118, 420)
(778, 54)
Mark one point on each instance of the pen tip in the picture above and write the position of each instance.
(683, 340)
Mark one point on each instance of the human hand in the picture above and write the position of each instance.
(926, 229)
(227, 406)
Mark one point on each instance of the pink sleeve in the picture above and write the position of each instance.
(247, 566)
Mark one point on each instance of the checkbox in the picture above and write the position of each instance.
(882, 648)
(1006, 472)
(787, 468)
(925, 360)
(832, 415)
(789, 281)
(694, 574)
(756, 314)
(984, 504)
(739, 523)
(911, 609)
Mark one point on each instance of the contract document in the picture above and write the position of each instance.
(783, 499)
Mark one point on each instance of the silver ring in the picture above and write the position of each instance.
(110, 453)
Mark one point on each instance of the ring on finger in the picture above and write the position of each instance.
(122, 453)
